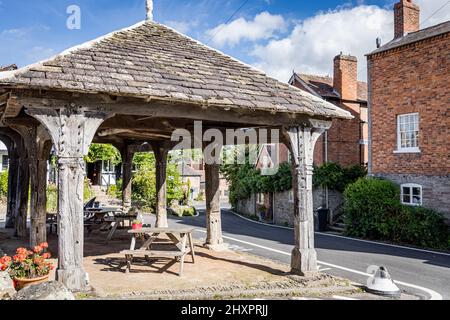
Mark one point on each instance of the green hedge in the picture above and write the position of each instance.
(372, 210)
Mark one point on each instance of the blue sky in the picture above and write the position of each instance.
(277, 36)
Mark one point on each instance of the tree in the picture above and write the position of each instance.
(144, 181)
(103, 152)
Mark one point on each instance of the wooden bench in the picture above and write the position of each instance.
(146, 252)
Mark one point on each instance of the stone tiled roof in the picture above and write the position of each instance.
(152, 60)
(323, 86)
(423, 34)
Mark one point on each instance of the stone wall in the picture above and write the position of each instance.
(284, 209)
(247, 207)
(283, 206)
(435, 190)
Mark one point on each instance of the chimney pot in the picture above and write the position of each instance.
(406, 18)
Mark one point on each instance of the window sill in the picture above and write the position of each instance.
(412, 204)
(407, 151)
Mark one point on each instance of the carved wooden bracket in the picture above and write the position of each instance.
(71, 128)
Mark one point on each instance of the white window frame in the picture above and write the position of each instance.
(411, 186)
(399, 139)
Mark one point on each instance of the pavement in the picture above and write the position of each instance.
(417, 272)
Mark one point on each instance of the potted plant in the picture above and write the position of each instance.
(136, 224)
(28, 267)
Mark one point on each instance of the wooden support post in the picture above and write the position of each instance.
(72, 130)
(127, 165)
(214, 240)
(301, 141)
(39, 155)
(161, 152)
(38, 145)
(23, 185)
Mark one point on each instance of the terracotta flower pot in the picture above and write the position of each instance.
(21, 283)
(135, 226)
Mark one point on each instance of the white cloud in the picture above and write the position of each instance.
(180, 26)
(429, 7)
(39, 53)
(313, 42)
(263, 26)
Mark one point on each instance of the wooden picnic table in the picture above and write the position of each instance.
(179, 238)
(107, 217)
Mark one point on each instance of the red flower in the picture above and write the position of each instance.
(5, 260)
(46, 255)
(37, 249)
(19, 257)
(44, 245)
(21, 251)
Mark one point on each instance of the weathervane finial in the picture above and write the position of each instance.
(149, 10)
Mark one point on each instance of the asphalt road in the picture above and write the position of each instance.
(422, 273)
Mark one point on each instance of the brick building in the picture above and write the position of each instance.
(346, 142)
(409, 107)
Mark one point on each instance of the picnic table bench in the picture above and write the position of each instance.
(179, 238)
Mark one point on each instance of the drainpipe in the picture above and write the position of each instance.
(369, 113)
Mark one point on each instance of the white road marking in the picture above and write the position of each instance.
(343, 237)
(433, 294)
(324, 269)
(343, 298)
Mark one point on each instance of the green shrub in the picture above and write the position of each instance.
(52, 198)
(115, 190)
(372, 210)
(421, 226)
(4, 184)
(88, 193)
(144, 181)
(189, 212)
(186, 211)
(368, 204)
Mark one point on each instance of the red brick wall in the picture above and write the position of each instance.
(343, 139)
(344, 135)
(406, 18)
(412, 79)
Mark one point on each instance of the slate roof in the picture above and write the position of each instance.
(152, 60)
(323, 86)
(415, 37)
(8, 68)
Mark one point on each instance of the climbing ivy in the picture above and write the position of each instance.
(245, 180)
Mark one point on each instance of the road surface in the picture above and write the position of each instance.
(423, 273)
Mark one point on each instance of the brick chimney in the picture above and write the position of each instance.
(406, 18)
(345, 79)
